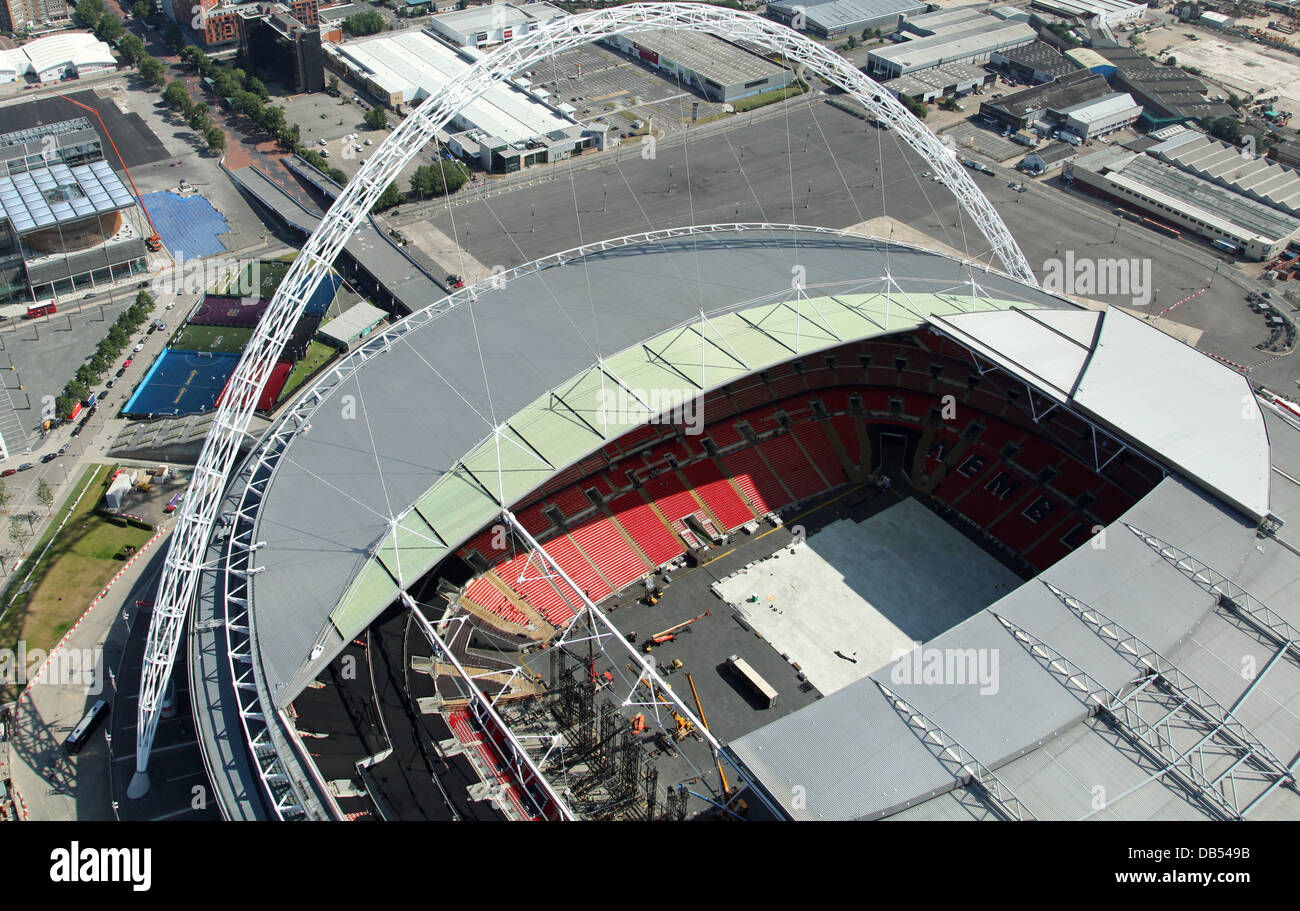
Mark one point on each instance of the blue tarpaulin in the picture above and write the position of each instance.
(189, 226)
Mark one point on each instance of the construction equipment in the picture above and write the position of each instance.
(699, 710)
(154, 240)
(668, 635)
(684, 728)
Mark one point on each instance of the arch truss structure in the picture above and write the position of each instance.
(178, 585)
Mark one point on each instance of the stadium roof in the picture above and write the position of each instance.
(60, 194)
(1142, 383)
(423, 471)
(876, 764)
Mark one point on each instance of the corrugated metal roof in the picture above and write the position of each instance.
(853, 758)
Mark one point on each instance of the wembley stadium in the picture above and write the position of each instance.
(745, 520)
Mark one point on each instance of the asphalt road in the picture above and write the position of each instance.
(821, 166)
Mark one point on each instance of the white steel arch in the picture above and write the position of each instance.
(176, 588)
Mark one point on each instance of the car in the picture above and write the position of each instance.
(170, 304)
(151, 330)
(26, 465)
(118, 375)
(64, 448)
(138, 348)
(112, 381)
(1021, 188)
(77, 430)
(7, 472)
(49, 457)
(161, 324)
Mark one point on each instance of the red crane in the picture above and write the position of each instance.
(154, 240)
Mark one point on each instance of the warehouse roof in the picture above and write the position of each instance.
(968, 41)
(941, 20)
(497, 15)
(1070, 90)
(1258, 178)
(416, 65)
(1101, 108)
(352, 322)
(708, 56)
(832, 14)
(76, 49)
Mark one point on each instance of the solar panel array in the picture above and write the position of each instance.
(28, 204)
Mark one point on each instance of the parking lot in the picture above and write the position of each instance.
(971, 137)
(619, 91)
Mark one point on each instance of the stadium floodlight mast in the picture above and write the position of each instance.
(177, 586)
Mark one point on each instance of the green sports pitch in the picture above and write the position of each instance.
(216, 339)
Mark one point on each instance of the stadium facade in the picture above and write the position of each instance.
(1072, 454)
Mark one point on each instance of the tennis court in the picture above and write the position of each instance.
(182, 382)
(213, 339)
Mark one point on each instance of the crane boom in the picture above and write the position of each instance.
(154, 241)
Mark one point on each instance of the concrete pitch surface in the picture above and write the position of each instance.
(865, 591)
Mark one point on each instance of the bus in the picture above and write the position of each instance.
(761, 687)
(86, 726)
(41, 308)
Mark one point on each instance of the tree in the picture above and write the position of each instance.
(949, 103)
(914, 106)
(216, 138)
(367, 23)
(176, 96)
(1227, 129)
(44, 495)
(110, 28)
(20, 534)
(141, 9)
(389, 198)
(151, 70)
(5, 496)
(131, 48)
(376, 118)
(258, 88)
(333, 86)
(438, 179)
(197, 116)
(173, 37)
(89, 12)
(1171, 61)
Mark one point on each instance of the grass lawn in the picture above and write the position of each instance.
(217, 339)
(318, 354)
(77, 566)
(757, 101)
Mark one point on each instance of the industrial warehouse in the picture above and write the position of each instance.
(57, 57)
(1186, 201)
(505, 129)
(969, 42)
(717, 69)
(835, 18)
